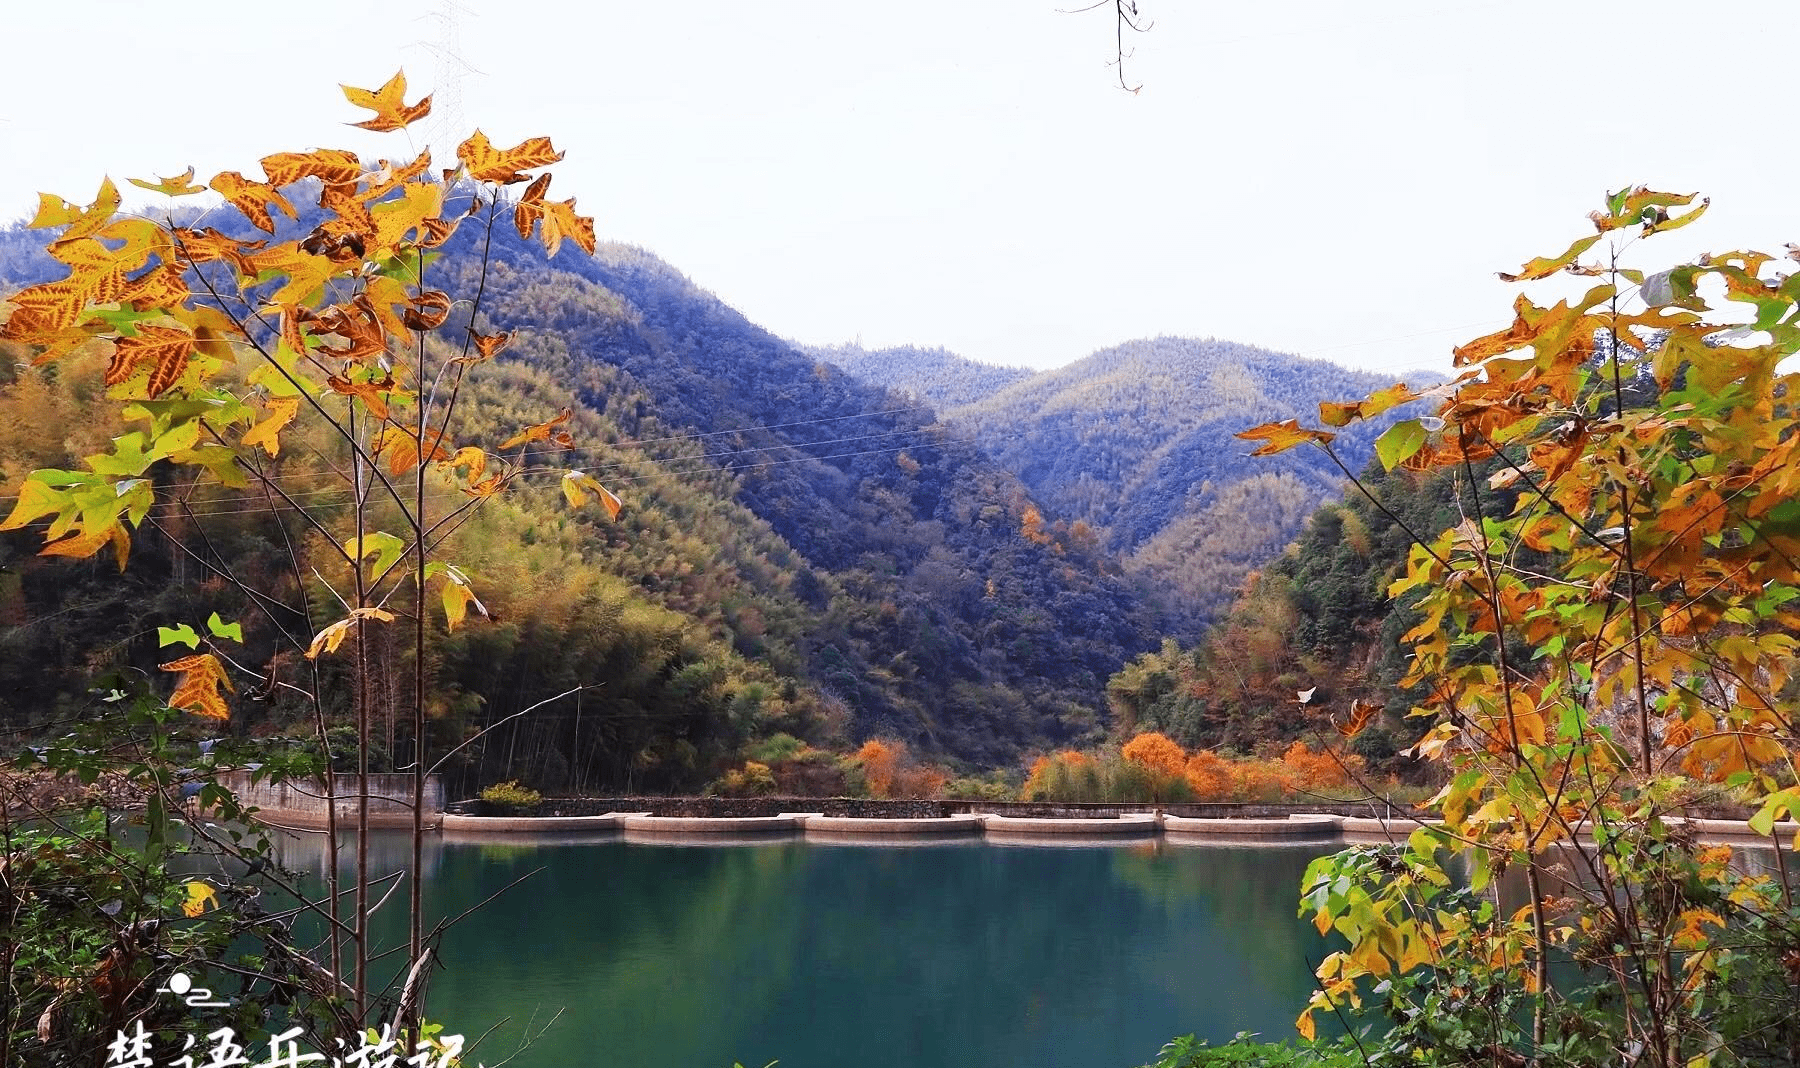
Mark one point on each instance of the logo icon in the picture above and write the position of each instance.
(194, 997)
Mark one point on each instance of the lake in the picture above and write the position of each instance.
(956, 954)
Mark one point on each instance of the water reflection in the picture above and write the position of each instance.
(946, 953)
(943, 954)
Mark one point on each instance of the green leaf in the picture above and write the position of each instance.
(184, 635)
(1764, 820)
(386, 547)
(1399, 442)
(222, 629)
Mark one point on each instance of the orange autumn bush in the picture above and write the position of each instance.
(879, 760)
(1310, 770)
(1210, 776)
(1156, 753)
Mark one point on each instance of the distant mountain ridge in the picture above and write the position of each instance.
(937, 376)
(1137, 441)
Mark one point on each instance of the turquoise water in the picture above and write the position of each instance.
(963, 954)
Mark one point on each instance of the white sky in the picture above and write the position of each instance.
(1329, 178)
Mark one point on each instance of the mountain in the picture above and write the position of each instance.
(1137, 444)
(1318, 618)
(938, 377)
(801, 551)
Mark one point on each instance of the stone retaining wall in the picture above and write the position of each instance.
(301, 802)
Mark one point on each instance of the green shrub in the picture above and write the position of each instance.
(775, 749)
(1188, 1052)
(993, 788)
(510, 797)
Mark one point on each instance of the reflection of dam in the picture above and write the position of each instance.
(390, 851)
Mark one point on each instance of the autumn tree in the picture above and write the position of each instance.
(879, 761)
(1611, 649)
(315, 373)
(1155, 752)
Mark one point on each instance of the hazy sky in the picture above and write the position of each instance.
(1335, 179)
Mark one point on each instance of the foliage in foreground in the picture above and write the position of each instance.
(1613, 645)
(221, 351)
(1245, 1050)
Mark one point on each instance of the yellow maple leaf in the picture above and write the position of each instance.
(162, 351)
(389, 105)
(252, 198)
(485, 163)
(36, 500)
(488, 345)
(333, 636)
(267, 432)
(557, 217)
(457, 597)
(543, 432)
(197, 690)
(576, 486)
(402, 448)
(179, 186)
(78, 222)
(334, 166)
(200, 897)
(1280, 437)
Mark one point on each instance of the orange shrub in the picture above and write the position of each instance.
(1157, 753)
(1258, 780)
(1209, 775)
(921, 782)
(1310, 771)
(879, 761)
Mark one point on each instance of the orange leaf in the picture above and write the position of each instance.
(179, 186)
(374, 394)
(389, 105)
(79, 546)
(160, 287)
(334, 166)
(576, 486)
(488, 345)
(45, 309)
(163, 349)
(267, 432)
(1280, 437)
(505, 166)
(333, 636)
(557, 216)
(543, 432)
(205, 246)
(252, 198)
(197, 690)
(360, 325)
(428, 311)
(1361, 712)
(403, 450)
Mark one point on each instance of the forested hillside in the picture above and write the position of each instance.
(799, 551)
(938, 377)
(1137, 442)
(1315, 618)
